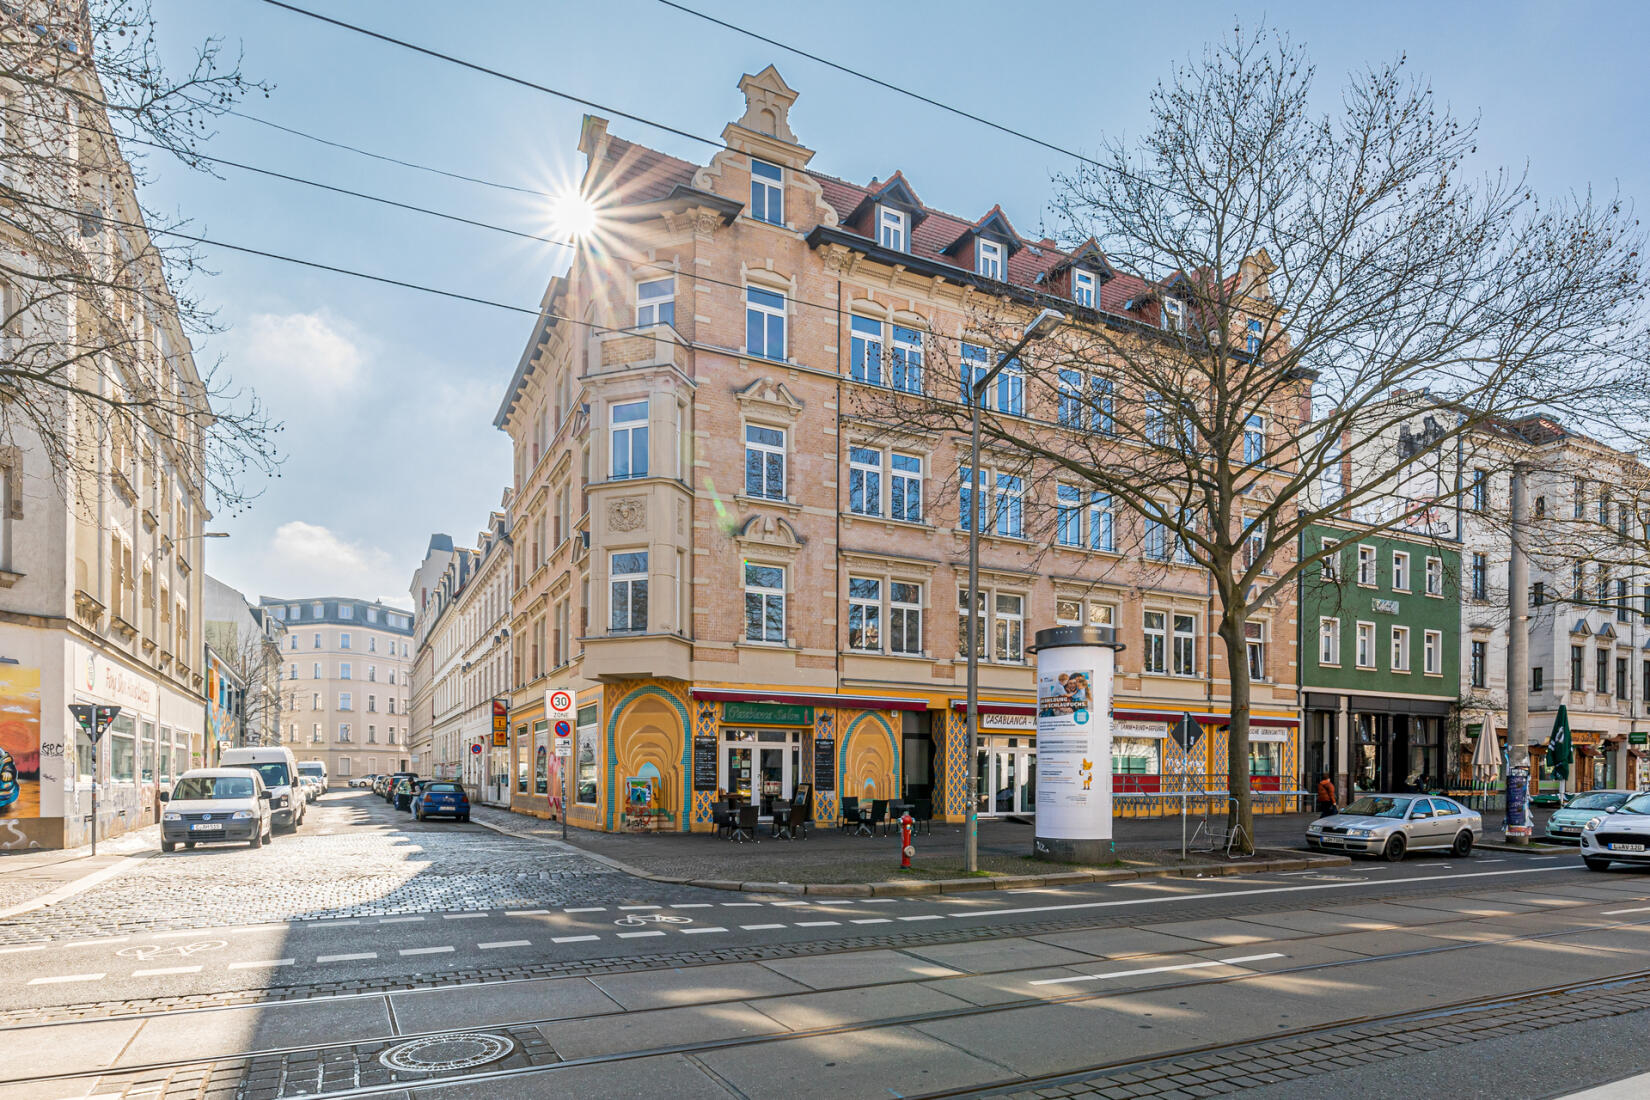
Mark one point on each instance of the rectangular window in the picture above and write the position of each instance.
(1480, 577)
(1580, 508)
(1331, 562)
(905, 487)
(315, 671)
(627, 579)
(1435, 576)
(1601, 675)
(1068, 520)
(629, 434)
(1576, 665)
(1366, 645)
(1155, 543)
(975, 362)
(1069, 408)
(865, 358)
(1008, 505)
(1480, 490)
(1011, 389)
(1536, 675)
(1102, 417)
(343, 641)
(962, 623)
(346, 611)
(1367, 563)
(864, 481)
(1400, 649)
(343, 730)
(892, 228)
(1154, 654)
(1185, 645)
(764, 324)
(1624, 609)
(344, 700)
(905, 372)
(1157, 421)
(767, 192)
(1082, 287)
(1174, 314)
(988, 259)
(1578, 581)
(656, 303)
(317, 642)
(1102, 526)
(1254, 641)
(1479, 663)
(343, 671)
(1010, 634)
(764, 603)
(1329, 641)
(1253, 334)
(1621, 677)
(1400, 571)
(1254, 440)
(1538, 594)
(905, 618)
(764, 462)
(1433, 644)
(865, 614)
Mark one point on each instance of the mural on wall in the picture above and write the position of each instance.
(19, 741)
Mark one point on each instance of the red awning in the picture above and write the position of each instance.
(809, 699)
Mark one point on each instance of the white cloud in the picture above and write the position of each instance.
(297, 355)
(306, 559)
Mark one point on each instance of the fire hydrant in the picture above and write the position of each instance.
(906, 851)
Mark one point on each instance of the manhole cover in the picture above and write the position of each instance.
(446, 1052)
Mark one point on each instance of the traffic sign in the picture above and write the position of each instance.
(93, 720)
(475, 749)
(501, 723)
(561, 702)
(564, 737)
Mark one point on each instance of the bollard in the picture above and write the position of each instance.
(906, 851)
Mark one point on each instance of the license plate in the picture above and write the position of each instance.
(206, 828)
(1627, 847)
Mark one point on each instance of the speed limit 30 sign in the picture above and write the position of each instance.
(558, 706)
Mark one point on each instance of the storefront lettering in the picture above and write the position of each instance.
(775, 714)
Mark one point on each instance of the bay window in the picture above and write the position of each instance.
(627, 578)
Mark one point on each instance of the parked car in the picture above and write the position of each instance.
(405, 788)
(1564, 826)
(441, 797)
(311, 787)
(1391, 825)
(279, 769)
(1619, 837)
(363, 781)
(395, 779)
(317, 769)
(380, 784)
(207, 804)
(9, 787)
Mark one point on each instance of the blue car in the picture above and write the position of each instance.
(9, 787)
(446, 799)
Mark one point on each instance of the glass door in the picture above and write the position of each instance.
(1028, 788)
(775, 777)
(737, 767)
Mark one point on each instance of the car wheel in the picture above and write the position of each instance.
(1596, 864)
(1394, 850)
(1463, 845)
(168, 845)
(257, 840)
(189, 844)
(465, 819)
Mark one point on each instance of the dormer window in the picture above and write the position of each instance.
(1082, 287)
(893, 228)
(1251, 343)
(1174, 314)
(767, 192)
(988, 259)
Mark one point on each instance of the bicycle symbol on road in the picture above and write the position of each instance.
(145, 952)
(636, 920)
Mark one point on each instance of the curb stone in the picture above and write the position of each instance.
(1287, 862)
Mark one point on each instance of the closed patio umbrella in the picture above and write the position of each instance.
(1486, 758)
(1559, 749)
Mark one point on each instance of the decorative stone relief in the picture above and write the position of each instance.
(628, 514)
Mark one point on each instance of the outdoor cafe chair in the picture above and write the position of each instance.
(721, 816)
(923, 812)
(850, 813)
(878, 817)
(744, 826)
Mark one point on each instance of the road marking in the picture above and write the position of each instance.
(398, 920)
(1618, 912)
(165, 970)
(817, 923)
(872, 920)
(1158, 899)
(927, 916)
(462, 916)
(586, 909)
(66, 978)
(30, 947)
(524, 912)
(1483, 861)
(572, 939)
(692, 905)
(495, 944)
(425, 950)
(789, 904)
(759, 927)
(337, 923)
(97, 943)
(263, 962)
(622, 908)
(346, 958)
(637, 935)
(1158, 969)
(741, 905)
(700, 931)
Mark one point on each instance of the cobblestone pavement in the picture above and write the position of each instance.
(351, 858)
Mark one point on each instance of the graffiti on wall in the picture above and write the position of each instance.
(19, 741)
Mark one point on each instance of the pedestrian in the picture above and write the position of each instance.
(1326, 796)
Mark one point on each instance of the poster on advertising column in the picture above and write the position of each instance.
(19, 742)
(1074, 690)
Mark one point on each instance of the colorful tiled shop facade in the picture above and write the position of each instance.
(656, 754)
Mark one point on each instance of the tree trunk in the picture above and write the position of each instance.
(1240, 813)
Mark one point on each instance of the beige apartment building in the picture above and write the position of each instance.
(347, 683)
(747, 584)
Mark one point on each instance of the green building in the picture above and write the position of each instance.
(1380, 651)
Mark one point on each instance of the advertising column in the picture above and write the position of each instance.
(1074, 690)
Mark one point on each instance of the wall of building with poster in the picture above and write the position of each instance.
(19, 752)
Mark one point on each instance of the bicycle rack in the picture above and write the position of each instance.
(1225, 836)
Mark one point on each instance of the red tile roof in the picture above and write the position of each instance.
(631, 173)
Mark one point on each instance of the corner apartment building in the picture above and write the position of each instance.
(347, 682)
(746, 585)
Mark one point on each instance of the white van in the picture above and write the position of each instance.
(279, 769)
(316, 768)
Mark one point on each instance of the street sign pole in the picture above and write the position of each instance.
(97, 770)
(558, 708)
(93, 721)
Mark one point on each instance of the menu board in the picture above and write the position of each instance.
(704, 763)
(824, 763)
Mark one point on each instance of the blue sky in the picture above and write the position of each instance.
(389, 395)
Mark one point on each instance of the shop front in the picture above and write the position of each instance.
(759, 753)
(1005, 765)
(1380, 743)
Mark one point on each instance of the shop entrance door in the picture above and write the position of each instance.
(737, 768)
(775, 772)
(1008, 777)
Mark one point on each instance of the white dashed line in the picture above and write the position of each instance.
(96, 943)
(741, 905)
(425, 950)
(166, 970)
(264, 962)
(759, 927)
(817, 923)
(871, 920)
(572, 939)
(700, 931)
(692, 905)
(495, 944)
(1157, 969)
(398, 920)
(462, 916)
(637, 935)
(30, 947)
(346, 958)
(525, 912)
(1618, 912)
(788, 904)
(586, 909)
(337, 923)
(625, 908)
(926, 916)
(66, 978)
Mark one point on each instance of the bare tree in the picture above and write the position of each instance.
(94, 310)
(1299, 279)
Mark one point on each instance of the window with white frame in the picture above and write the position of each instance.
(343, 670)
(905, 366)
(988, 258)
(1174, 314)
(1154, 653)
(764, 462)
(344, 700)
(976, 360)
(864, 481)
(1009, 629)
(656, 302)
(343, 730)
(1254, 644)
(1254, 543)
(1400, 571)
(1157, 420)
(1367, 562)
(627, 590)
(1400, 649)
(981, 626)
(1183, 542)
(1085, 402)
(1366, 645)
(1084, 523)
(1435, 576)
(865, 350)
(764, 603)
(905, 617)
(767, 192)
(1433, 652)
(1255, 331)
(893, 228)
(1329, 641)
(1185, 645)
(765, 323)
(865, 614)
(346, 611)
(1155, 540)
(1331, 561)
(1003, 504)
(905, 487)
(1082, 287)
(629, 436)
(343, 640)
(1254, 440)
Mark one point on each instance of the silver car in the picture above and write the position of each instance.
(1390, 825)
(1566, 824)
(1620, 837)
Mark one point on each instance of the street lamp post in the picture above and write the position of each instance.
(1041, 326)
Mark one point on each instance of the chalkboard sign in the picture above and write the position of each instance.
(704, 763)
(825, 763)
